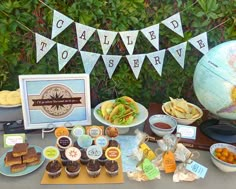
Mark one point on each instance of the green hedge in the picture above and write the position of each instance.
(17, 44)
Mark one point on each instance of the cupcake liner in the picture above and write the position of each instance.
(93, 173)
(72, 174)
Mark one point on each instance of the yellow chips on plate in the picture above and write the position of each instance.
(180, 108)
(10, 97)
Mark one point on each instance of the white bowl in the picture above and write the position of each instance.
(163, 119)
(183, 121)
(223, 166)
(139, 119)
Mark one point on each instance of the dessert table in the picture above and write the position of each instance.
(213, 179)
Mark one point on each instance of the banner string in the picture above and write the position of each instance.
(18, 22)
(46, 5)
(218, 25)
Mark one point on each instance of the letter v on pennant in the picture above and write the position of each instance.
(178, 52)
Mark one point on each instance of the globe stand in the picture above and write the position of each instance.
(219, 130)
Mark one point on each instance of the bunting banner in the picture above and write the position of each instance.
(83, 33)
(111, 62)
(178, 52)
(64, 54)
(136, 62)
(106, 39)
(43, 45)
(60, 23)
(152, 34)
(129, 39)
(200, 42)
(89, 60)
(157, 60)
(174, 23)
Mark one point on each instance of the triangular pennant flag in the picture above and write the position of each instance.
(200, 42)
(111, 62)
(129, 39)
(157, 59)
(60, 23)
(152, 34)
(89, 60)
(174, 23)
(64, 54)
(136, 62)
(106, 39)
(43, 45)
(83, 33)
(178, 52)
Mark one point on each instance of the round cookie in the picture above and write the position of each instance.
(3, 97)
(13, 98)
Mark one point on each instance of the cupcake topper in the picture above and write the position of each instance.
(84, 141)
(77, 131)
(94, 152)
(51, 152)
(112, 132)
(101, 141)
(73, 153)
(94, 131)
(64, 142)
(61, 131)
(112, 153)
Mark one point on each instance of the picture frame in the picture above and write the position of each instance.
(55, 100)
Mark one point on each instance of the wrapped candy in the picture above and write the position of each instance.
(182, 174)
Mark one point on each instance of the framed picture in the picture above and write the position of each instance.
(50, 101)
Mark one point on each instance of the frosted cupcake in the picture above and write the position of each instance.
(93, 168)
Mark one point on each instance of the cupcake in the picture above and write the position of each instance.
(77, 145)
(93, 168)
(84, 158)
(102, 159)
(72, 169)
(113, 143)
(53, 169)
(64, 159)
(111, 168)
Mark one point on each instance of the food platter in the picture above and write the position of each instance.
(10, 106)
(140, 118)
(29, 169)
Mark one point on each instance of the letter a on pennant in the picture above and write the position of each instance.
(64, 54)
(106, 39)
(43, 45)
(60, 23)
(129, 39)
(200, 42)
(136, 62)
(178, 52)
(83, 33)
(174, 23)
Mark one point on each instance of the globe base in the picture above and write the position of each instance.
(219, 130)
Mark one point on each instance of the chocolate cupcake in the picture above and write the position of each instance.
(93, 168)
(64, 159)
(84, 158)
(102, 159)
(111, 168)
(72, 169)
(53, 169)
(113, 143)
(77, 145)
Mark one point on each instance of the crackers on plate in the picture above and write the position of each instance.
(10, 97)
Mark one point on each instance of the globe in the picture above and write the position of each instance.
(214, 80)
